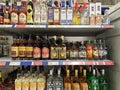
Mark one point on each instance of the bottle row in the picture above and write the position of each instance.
(57, 48)
(56, 78)
(52, 12)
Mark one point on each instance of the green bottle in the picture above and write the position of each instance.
(102, 81)
(94, 82)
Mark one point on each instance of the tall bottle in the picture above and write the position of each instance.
(1, 85)
(89, 50)
(53, 49)
(58, 81)
(37, 12)
(67, 81)
(100, 50)
(30, 12)
(68, 50)
(23, 13)
(63, 14)
(1, 47)
(105, 50)
(95, 50)
(76, 82)
(50, 81)
(1, 13)
(82, 51)
(7, 13)
(29, 48)
(18, 83)
(14, 14)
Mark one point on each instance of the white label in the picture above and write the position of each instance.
(22, 18)
(37, 15)
(25, 89)
(14, 17)
(69, 15)
(63, 15)
(18, 3)
(56, 15)
(43, 15)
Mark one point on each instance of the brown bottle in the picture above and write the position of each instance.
(68, 50)
(14, 49)
(37, 49)
(22, 49)
(53, 49)
(45, 49)
(29, 49)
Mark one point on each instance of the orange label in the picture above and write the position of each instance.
(84, 86)
(89, 51)
(76, 86)
(14, 51)
(40, 86)
(67, 86)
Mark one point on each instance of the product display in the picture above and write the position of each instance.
(51, 12)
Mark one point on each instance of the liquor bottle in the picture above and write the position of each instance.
(14, 14)
(50, 81)
(67, 50)
(22, 49)
(44, 14)
(69, 12)
(5, 47)
(63, 14)
(105, 50)
(29, 49)
(37, 12)
(9, 85)
(14, 49)
(1, 85)
(94, 82)
(53, 49)
(1, 13)
(18, 84)
(82, 51)
(41, 82)
(89, 50)
(67, 81)
(102, 81)
(61, 48)
(74, 51)
(50, 13)
(58, 81)
(30, 12)
(89, 72)
(7, 13)
(76, 82)
(37, 49)
(100, 50)
(23, 13)
(84, 81)
(1, 47)
(45, 49)
(80, 73)
(95, 50)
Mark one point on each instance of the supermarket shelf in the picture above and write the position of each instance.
(54, 62)
(68, 30)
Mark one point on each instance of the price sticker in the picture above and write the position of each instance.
(83, 63)
(14, 63)
(104, 63)
(94, 63)
(97, 63)
(53, 63)
(37, 63)
(2, 63)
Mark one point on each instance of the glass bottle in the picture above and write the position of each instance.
(95, 50)
(89, 50)
(9, 85)
(37, 12)
(23, 13)
(50, 13)
(14, 49)
(61, 48)
(29, 49)
(67, 81)
(33, 82)
(82, 51)
(30, 12)
(68, 50)
(76, 82)
(1, 47)
(18, 84)
(1, 84)
(25, 82)
(14, 14)
(105, 50)
(37, 49)
(100, 50)
(53, 49)
(1, 12)
(7, 13)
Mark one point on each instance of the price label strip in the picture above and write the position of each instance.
(2, 63)
(14, 64)
(53, 63)
(36, 63)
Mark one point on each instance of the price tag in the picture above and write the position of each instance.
(53, 63)
(107, 26)
(97, 63)
(104, 63)
(2, 63)
(37, 63)
(94, 63)
(20, 26)
(14, 63)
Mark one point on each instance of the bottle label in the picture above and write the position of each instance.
(17, 85)
(59, 85)
(6, 50)
(6, 18)
(22, 51)
(100, 52)
(50, 86)
(69, 16)
(45, 52)
(29, 14)
(14, 17)
(56, 15)
(22, 18)
(82, 54)
(25, 86)
(40, 86)
(89, 51)
(84, 86)
(54, 52)
(50, 15)
(68, 54)
(0, 49)
(37, 15)
(67, 86)
(74, 54)
(14, 51)
(29, 51)
(76, 86)
(32, 85)
(63, 16)
(62, 52)
(95, 52)
(36, 52)
(43, 15)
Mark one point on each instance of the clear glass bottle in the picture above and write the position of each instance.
(95, 50)
(100, 49)
(56, 16)
(18, 84)
(5, 47)
(1, 12)
(105, 50)
(33, 82)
